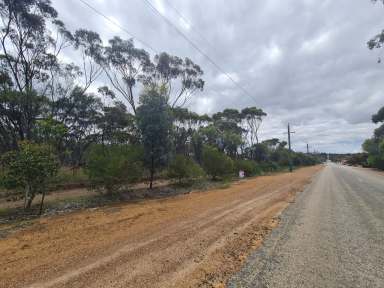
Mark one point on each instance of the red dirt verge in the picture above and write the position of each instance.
(194, 240)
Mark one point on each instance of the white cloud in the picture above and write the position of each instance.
(184, 24)
(317, 43)
(223, 80)
(114, 25)
(160, 6)
(274, 53)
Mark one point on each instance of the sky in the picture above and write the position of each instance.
(304, 62)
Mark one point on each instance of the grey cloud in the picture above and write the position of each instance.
(303, 61)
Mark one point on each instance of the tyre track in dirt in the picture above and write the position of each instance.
(201, 227)
(179, 252)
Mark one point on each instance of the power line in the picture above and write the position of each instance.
(189, 23)
(118, 25)
(191, 26)
(141, 41)
(198, 49)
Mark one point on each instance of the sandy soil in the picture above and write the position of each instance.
(194, 240)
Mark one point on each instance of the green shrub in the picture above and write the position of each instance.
(269, 166)
(376, 161)
(31, 168)
(184, 168)
(111, 167)
(301, 159)
(216, 164)
(68, 177)
(251, 168)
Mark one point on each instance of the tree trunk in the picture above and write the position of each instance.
(25, 198)
(29, 202)
(131, 100)
(152, 173)
(42, 202)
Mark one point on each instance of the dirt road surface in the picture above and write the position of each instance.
(333, 236)
(194, 240)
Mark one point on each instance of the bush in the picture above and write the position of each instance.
(216, 164)
(269, 166)
(376, 161)
(111, 167)
(30, 168)
(301, 159)
(358, 159)
(184, 168)
(69, 177)
(248, 166)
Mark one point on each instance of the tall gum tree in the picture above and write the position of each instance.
(28, 48)
(31, 38)
(125, 66)
(181, 77)
(154, 120)
(253, 118)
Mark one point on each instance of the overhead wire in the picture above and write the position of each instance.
(197, 48)
(197, 32)
(130, 34)
(189, 23)
(118, 25)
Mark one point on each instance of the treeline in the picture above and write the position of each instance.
(49, 118)
(374, 146)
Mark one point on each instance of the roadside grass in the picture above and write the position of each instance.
(127, 195)
(60, 206)
(68, 178)
(4, 212)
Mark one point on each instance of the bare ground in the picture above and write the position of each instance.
(194, 240)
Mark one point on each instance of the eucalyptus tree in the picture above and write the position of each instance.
(253, 118)
(228, 124)
(125, 66)
(30, 168)
(17, 116)
(79, 113)
(62, 81)
(31, 39)
(50, 132)
(90, 46)
(117, 125)
(185, 124)
(182, 132)
(61, 75)
(379, 116)
(272, 143)
(182, 77)
(211, 135)
(154, 120)
(229, 120)
(28, 48)
(375, 145)
(378, 40)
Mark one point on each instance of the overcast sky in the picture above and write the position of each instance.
(303, 61)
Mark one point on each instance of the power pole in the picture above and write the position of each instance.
(289, 147)
(307, 148)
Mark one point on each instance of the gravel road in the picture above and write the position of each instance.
(333, 236)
